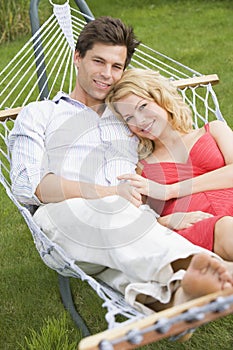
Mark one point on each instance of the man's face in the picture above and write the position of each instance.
(101, 67)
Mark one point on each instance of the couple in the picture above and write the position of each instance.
(67, 155)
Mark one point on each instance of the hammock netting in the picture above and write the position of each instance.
(38, 71)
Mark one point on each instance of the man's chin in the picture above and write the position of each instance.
(100, 97)
(98, 105)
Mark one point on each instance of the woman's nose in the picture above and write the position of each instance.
(140, 120)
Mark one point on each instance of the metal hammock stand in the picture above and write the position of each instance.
(44, 66)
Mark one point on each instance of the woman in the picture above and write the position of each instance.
(183, 169)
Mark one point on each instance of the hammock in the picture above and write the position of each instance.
(44, 66)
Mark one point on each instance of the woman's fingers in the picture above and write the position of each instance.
(199, 216)
(129, 177)
(134, 180)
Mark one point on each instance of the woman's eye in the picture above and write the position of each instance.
(142, 106)
(127, 119)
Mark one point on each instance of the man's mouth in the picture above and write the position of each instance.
(102, 85)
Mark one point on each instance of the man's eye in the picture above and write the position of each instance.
(118, 67)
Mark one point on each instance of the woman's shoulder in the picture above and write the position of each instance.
(218, 128)
(216, 124)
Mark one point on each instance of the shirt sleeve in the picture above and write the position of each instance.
(28, 156)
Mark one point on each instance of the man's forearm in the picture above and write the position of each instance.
(53, 188)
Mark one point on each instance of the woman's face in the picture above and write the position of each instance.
(144, 118)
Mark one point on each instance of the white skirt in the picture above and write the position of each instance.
(122, 245)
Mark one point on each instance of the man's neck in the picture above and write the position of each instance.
(98, 108)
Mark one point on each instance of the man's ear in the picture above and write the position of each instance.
(77, 58)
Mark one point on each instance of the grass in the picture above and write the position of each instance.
(53, 334)
(197, 33)
(12, 24)
(15, 18)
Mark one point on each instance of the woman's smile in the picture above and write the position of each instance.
(148, 128)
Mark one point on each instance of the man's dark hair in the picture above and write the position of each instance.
(109, 31)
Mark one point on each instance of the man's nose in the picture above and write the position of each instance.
(106, 71)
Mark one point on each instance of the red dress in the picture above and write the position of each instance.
(204, 156)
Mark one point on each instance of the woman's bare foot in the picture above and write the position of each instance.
(204, 275)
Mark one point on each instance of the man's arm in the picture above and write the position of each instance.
(53, 188)
(26, 144)
(32, 180)
(38, 145)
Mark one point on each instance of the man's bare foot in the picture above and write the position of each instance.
(204, 275)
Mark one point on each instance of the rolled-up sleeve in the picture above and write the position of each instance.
(28, 156)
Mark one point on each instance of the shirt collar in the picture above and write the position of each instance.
(64, 96)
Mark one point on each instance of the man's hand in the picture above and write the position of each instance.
(180, 221)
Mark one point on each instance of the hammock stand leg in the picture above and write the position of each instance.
(67, 299)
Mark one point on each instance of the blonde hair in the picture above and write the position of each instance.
(152, 86)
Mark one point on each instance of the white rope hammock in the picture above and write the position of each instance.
(47, 59)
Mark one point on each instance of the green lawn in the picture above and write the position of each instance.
(197, 33)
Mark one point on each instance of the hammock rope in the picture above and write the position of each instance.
(57, 37)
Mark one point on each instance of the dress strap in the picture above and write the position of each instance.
(207, 127)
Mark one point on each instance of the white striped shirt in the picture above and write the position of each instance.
(66, 138)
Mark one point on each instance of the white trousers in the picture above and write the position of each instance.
(122, 245)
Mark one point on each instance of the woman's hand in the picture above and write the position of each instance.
(147, 187)
(125, 190)
(180, 221)
(137, 181)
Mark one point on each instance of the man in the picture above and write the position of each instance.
(66, 156)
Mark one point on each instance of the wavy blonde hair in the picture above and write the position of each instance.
(152, 86)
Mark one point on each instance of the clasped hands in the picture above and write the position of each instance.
(134, 186)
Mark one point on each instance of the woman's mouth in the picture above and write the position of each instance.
(148, 127)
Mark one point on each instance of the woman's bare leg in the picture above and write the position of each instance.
(223, 238)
